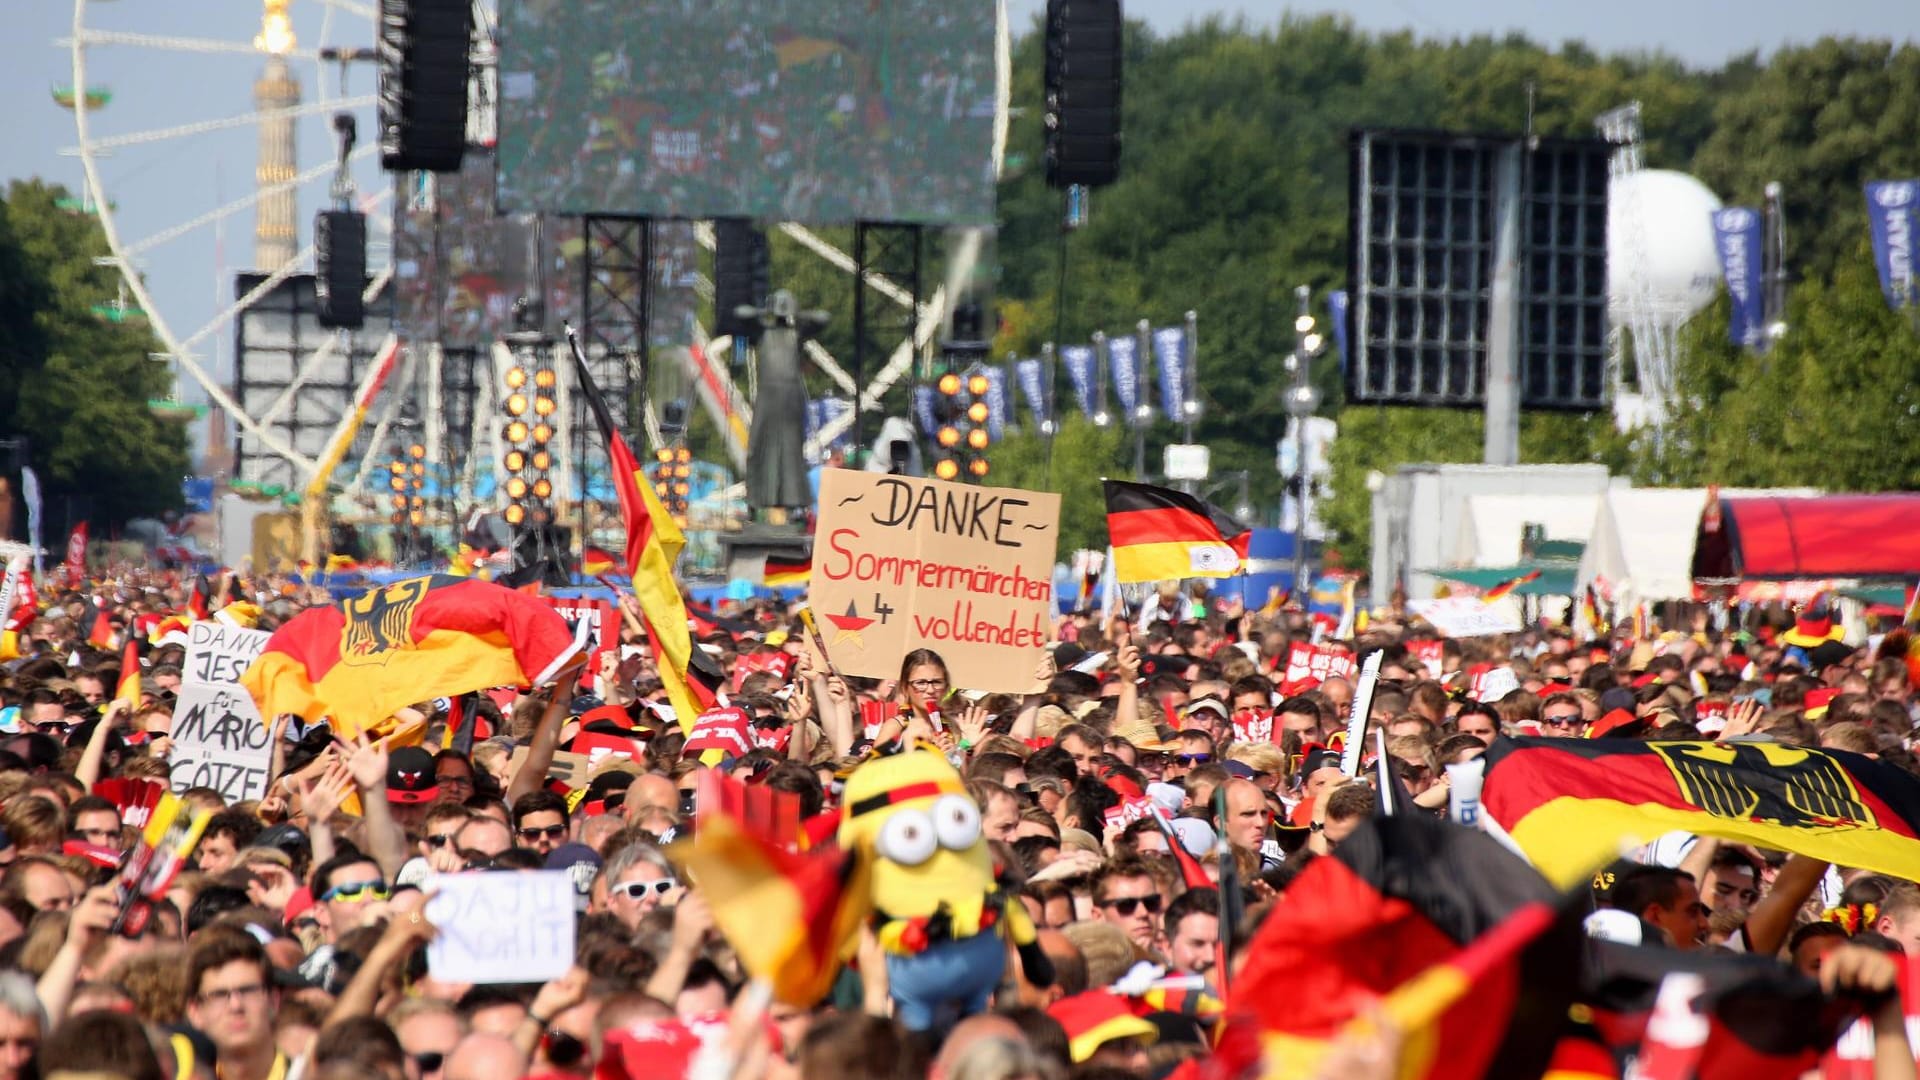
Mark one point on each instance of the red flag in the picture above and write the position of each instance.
(77, 554)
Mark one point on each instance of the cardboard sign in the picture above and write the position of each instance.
(219, 742)
(1317, 662)
(603, 624)
(1494, 684)
(500, 928)
(901, 563)
(218, 654)
(570, 769)
(1469, 616)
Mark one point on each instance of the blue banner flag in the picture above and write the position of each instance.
(996, 403)
(923, 410)
(1031, 375)
(1893, 211)
(1123, 358)
(1736, 237)
(1079, 360)
(1337, 308)
(1174, 358)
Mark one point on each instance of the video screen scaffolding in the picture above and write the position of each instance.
(1428, 210)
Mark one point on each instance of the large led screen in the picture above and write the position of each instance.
(789, 110)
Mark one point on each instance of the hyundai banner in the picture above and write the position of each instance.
(997, 403)
(1171, 355)
(1736, 238)
(1079, 360)
(923, 410)
(1893, 212)
(1337, 311)
(1031, 375)
(1123, 359)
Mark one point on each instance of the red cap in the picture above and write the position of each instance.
(298, 904)
(613, 713)
(1818, 701)
(1646, 679)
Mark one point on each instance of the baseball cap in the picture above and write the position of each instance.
(1195, 835)
(1322, 758)
(582, 864)
(1619, 723)
(410, 777)
(1207, 705)
(1238, 768)
(1170, 796)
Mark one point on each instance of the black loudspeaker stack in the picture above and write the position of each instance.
(742, 274)
(423, 83)
(340, 267)
(1083, 92)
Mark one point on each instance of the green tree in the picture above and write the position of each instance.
(79, 384)
(1081, 453)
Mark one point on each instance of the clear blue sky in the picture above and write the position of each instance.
(160, 185)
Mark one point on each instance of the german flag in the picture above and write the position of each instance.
(1500, 591)
(787, 573)
(128, 689)
(792, 916)
(197, 599)
(357, 661)
(1765, 1021)
(1474, 955)
(1569, 803)
(1159, 534)
(99, 627)
(595, 561)
(692, 680)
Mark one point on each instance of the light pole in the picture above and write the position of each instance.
(1301, 400)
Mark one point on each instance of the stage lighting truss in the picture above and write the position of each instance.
(672, 479)
(529, 404)
(962, 432)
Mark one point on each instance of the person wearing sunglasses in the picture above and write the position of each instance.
(1125, 894)
(540, 821)
(428, 1030)
(349, 891)
(638, 879)
(1561, 717)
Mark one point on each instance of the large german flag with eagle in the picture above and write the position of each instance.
(1571, 803)
(692, 679)
(357, 661)
(1160, 534)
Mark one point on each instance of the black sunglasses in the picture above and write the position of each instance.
(430, 1061)
(1193, 759)
(1126, 905)
(535, 832)
(438, 840)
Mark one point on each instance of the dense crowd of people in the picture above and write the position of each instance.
(293, 943)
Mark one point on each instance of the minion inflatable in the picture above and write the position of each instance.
(937, 909)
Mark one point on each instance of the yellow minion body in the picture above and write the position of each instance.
(909, 817)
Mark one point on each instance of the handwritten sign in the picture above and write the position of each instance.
(500, 928)
(219, 742)
(1317, 662)
(1431, 654)
(218, 654)
(901, 563)
(600, 747)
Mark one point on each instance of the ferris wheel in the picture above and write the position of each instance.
(256, 86)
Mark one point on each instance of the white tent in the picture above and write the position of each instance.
(1642, 542)
(1491, 526)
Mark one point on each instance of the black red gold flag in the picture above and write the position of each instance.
(1569, 804)
(357, 661)
(128, 688)
(785, 573)
(692, 679)
(1500, 591)
(794, 916)
(1475, 955)
(1160, 534)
